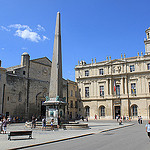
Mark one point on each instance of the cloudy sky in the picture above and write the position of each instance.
(90, 28)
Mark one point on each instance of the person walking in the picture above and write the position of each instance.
(4, 124)
(59, 122)
(9, 119)
(95, 116)
(33, 122)
(82, 118)
(141, 121)
(117, 118)
(52, 124)
(1, 121)
(148, 128)
(138, 119)
(87, 119)
(43, 124)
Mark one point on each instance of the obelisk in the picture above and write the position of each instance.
(55, 88)
(55, 103)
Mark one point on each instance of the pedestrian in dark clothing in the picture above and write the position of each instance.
(82, 118)
(141, 121)
(59, 122)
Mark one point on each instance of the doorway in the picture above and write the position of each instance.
(117, 111)
(43, 109)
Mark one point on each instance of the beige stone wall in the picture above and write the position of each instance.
(72, 96)
(39, 71)
(2, 86)
(25, 91)
(26, 87)
(117, 71)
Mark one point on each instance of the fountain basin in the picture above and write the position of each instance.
(75, 126)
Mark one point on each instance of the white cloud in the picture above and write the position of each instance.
(40, 28)
(26, 34)
(19, 26)
(4, 28)
(45, 38)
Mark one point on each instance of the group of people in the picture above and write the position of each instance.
(85, 118)
(44, 124)
(51, 123)
(140, 121)
(3, 125)
(123, 118)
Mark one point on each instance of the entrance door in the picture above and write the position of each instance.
(43, 109)
(117, 111)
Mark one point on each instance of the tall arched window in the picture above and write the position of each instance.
(20, 96)
(87, 111)
(134, 110)
(102, 111)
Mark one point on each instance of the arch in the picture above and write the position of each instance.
(102, 111)
(87, 111)
(134, 110)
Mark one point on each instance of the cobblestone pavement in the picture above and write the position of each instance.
(40, 136)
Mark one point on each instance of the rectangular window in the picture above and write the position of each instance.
(87, 73)
(101, 90)
(71, 104)
(148, 66)
(149, 86)
(132, 68)
(24, 72)
(133, 88)
(86, 91)
(71, 93)
(76, 94)
(117, 89)
(101, 71)
(76, 104)
(0, 76)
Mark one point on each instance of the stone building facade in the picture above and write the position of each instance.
(23, 88)
(116, 87)
(73, 100)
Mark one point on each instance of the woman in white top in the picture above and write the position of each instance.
(148, 128)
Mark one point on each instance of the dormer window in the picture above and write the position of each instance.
(132, 68)
(87, 73)
(101, 71)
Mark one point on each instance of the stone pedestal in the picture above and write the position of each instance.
(55, 107)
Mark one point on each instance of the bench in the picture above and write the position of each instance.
(19, 133)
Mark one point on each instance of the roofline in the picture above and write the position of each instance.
(41, 58)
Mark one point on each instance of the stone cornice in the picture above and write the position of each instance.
(114, 75)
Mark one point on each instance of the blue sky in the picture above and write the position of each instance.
(90, 28)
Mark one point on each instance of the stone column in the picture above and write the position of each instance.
(121, 87)
(110, 86)
(106, 88)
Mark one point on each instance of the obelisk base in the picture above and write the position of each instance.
(54, 109)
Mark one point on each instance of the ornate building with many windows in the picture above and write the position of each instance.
(116, 87)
